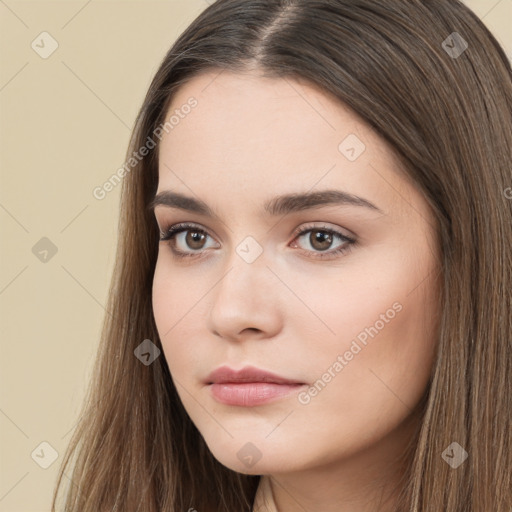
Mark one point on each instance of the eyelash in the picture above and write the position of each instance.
(170, 233)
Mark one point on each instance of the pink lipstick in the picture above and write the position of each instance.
(249, 386)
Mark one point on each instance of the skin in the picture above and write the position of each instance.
(249, 139)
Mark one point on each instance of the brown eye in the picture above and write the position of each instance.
(194, 239)
(185, 239)
(320, 240)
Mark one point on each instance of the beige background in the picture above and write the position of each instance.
(65, 124)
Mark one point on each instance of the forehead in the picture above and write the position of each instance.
(255, 134)
(270, 115)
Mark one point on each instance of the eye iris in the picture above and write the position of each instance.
(322, 237)
(194, 237)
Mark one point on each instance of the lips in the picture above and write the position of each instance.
(249, 386)
(225, 375)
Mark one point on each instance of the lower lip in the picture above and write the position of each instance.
(249, 394)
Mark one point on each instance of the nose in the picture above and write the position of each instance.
(246, 301)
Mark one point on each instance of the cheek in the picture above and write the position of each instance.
(179, 298)
(163, 298)
(169, 307)
(376, 385)
(379, 315)
(173, 294)
(384, 346)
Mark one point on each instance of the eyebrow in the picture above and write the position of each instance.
(276, 206)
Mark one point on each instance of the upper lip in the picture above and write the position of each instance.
(225, 374)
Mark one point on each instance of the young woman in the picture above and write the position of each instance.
(313, 289)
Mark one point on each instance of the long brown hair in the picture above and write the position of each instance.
(443, 102)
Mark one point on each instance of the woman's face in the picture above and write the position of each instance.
(345, 311)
